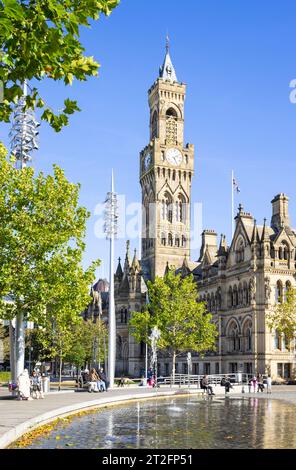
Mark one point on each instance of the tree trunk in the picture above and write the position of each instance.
(60, 371)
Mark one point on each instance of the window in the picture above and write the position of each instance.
(196, 368)
(171, 126)
(232, 367)
(163, 239)
(170, 239)
(207, 368)
(279, 292)
(177, 241)
(233, 337)
(180, 209)
(217, 368)
(277, 340)
(167, 207)
(154, 132)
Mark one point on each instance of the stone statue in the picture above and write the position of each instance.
(267, 289)
(252, 287)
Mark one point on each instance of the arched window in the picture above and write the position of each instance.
(184, 241)
(235, 296)
(240, 252)
(154, 125)
(163, 239)
(280, 253)
(181, 209)
(177, 240)
(230, 297)
(247, 334)
(171, 126)
(233, 337)
(167, 207)
(170, 239)
(279, 292)
(277, 340)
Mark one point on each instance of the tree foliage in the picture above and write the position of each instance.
(183, 322)
(282, 317)
(42, 229)
(41, 39)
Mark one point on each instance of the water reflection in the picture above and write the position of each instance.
(182, 423)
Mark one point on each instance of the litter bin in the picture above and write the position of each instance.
(45, 384)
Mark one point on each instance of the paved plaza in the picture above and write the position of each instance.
(18, 417)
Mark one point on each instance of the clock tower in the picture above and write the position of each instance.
(166, 170)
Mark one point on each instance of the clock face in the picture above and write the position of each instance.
(174, 156)
(147, 161)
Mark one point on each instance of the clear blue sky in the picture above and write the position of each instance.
(237, 58)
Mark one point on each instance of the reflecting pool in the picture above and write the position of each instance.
(180, 423)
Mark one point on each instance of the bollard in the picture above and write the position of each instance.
(243, 389)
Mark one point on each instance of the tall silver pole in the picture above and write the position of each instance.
(23, 143)
(111, 230)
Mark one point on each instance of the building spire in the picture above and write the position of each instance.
(167, 71)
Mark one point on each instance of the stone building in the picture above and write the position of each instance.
(239, 283)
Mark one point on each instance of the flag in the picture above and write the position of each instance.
(235, 185)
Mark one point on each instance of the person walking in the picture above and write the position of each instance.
(268, 384)
(260, 383)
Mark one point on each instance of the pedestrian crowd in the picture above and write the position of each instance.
(256, 384)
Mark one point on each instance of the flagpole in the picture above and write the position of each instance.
(232, 205)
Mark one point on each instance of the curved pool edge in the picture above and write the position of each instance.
(37, 421)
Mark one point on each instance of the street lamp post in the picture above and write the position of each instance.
(23, 142)
(111, 220)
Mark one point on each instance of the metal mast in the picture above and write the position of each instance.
(111, 223)
(23, 142)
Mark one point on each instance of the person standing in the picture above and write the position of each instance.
(36, 385)
(23, 383)
(268, 384)
(254, 383)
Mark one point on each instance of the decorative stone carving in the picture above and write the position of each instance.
(267, 289)
(252, 289)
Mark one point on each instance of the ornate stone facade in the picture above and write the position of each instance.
(240, 283)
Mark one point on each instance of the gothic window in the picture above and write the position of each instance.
(277, 340)
(170, 239)
(279, 292)
(240, 252)
(177, 241)
(184, 241)
(154, 132)
(233, 337)
(171, 126)
(180, 209)
(174, 175)
(230, 297)
(167, 208)
(163, 239)
(280, 253)
(235, 296)
(287, 288)
(247, 333)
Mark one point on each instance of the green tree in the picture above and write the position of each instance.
(4, 343)
(89, 342)
(282, 317)
(183, 322)
(42, 231)
(41, 39)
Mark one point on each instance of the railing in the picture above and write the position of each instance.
(185, 379)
